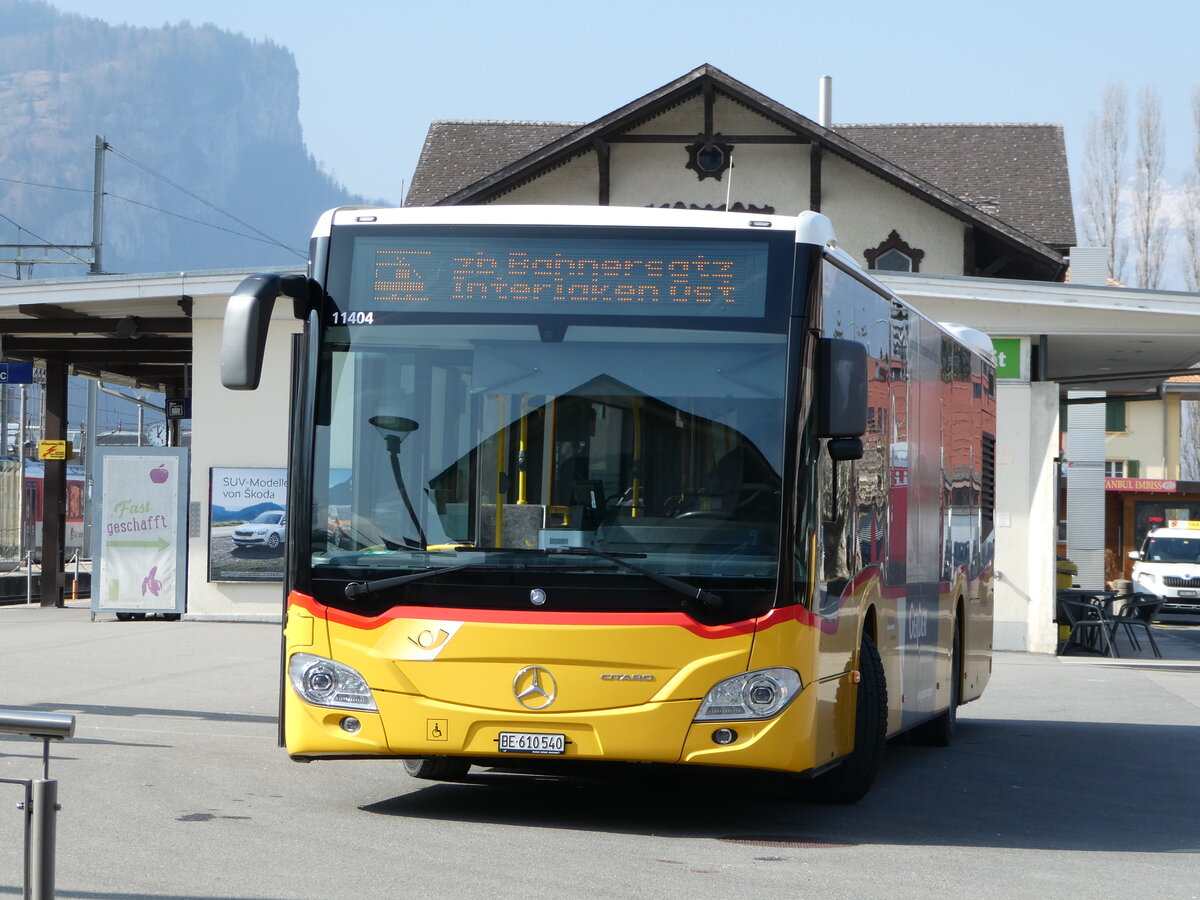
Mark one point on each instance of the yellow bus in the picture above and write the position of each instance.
(600, 484)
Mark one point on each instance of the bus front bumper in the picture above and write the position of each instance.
(661, 732)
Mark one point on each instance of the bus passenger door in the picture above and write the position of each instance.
(837, 608)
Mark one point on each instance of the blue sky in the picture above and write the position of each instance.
(373, 73)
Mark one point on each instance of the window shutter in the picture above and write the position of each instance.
(1132, 468)
(1114, 415)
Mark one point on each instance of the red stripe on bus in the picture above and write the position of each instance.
(521, 617)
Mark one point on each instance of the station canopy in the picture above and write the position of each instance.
(128, 329)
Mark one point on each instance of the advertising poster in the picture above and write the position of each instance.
(247, 527)
(139, 505)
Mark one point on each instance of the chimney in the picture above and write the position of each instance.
(1088, 265)
(825, 102)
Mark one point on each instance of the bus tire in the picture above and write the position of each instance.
(939, 731)
(436, 769)
(853, 777)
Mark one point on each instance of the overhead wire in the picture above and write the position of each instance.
(21, 227)
(257, 235)
(56, 187)
(145, 168)
(167, 212)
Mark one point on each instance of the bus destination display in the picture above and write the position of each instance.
(574, 276)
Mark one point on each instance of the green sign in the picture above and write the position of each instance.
(1008, 357)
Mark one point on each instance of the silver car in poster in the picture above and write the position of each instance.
(267, 529)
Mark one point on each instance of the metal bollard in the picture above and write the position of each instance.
(44, 818)
(41, 797)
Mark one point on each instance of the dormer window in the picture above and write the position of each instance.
(894, 261)
(894, 255)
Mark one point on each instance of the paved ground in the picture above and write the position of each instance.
(1072, 776)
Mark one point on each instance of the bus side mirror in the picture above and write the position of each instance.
(247, 318)
(842, 396)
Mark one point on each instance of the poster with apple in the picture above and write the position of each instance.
(139, 505)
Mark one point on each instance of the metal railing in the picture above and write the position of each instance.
(41, 796)
(27, 562)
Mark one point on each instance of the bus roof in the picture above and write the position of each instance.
(809, 227)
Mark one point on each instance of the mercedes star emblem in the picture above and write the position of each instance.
(534, 687)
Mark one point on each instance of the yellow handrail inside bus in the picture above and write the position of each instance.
(522, 445)
(499, 533)
(637, 457)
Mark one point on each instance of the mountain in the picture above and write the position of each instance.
(222, 516)
(199, 121)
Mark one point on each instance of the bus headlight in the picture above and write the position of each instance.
(324, 682)
(751, 695)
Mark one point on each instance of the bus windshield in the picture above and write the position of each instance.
(486, 444)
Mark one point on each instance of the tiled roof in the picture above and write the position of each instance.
(1011, 180)
(1015, 172)
(457, 154)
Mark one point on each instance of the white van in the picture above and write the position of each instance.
(1168, 565)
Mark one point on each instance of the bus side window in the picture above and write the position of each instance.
(838, 550)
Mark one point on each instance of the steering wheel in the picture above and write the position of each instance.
(748, 493)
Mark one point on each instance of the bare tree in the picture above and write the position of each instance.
(1190, 258)
(1189, 441)
(1189, 444)
(1103, 173)
(1149, 227)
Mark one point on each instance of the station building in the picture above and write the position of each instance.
(970, 223)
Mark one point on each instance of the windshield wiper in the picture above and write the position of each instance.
(708, 599)
(360, 588)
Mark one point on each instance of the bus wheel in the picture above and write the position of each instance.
(939, 731)
(850, 781)
(442, 769)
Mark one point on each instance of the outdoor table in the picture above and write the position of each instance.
(1095, 621)
(1102, 600)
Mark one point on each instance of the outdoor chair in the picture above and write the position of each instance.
(1091, 628)
(1141, 613)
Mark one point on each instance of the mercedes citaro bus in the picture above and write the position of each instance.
(640, 485)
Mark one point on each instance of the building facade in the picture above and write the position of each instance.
(916, 203)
